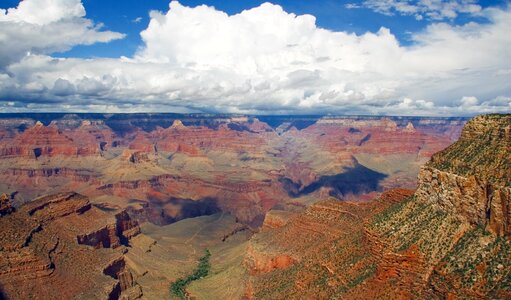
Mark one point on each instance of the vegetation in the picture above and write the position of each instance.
(178, 287)
(478, 257)
(417, 223)
(362, 276)
(483, 151)
(390, 212)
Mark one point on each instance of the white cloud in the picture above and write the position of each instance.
(46, 26)
(432, 9)
(265, 60)
(137, 20)
(469, 101)
(352, 5)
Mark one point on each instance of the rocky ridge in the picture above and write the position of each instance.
(42, 250)
(449, 240)
(241, 163)
(473, 176)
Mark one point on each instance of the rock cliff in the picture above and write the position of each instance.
(448, 240)
(238, 161)
(42, 250)
(473, 176)
(5, 205)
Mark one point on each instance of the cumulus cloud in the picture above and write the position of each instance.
(431, 9)
(46, 26)
(265, 60)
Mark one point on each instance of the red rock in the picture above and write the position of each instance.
(45, 141)
(40, 254)
(141, 142)
(135, 157)
(258, 262)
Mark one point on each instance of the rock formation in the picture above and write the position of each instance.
(473, 176)
(311, 212)
(448, 240)
(238, 160)
(41, 253)
(44, 141)
(5, 205)
(135, 157)
(409, 127)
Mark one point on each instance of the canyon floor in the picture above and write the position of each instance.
(289, 207)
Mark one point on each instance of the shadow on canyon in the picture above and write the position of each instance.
(356, 180)
(163, 212)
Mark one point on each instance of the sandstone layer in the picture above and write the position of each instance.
(449, 240)
(473, 176)
(156, 164)
(62, 245)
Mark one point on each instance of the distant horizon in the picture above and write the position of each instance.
(248, 115)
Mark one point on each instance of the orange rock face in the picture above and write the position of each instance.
(472, 176)
(311, 204)
(41, 251)
(323, 250)
(378, 137)
(248, 201)
(258, 263)
(241, 163)
(448, 240)
(43, 140)
(276, 219)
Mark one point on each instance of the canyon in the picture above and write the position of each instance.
(236, 164)
(290, 207)
(449, 239)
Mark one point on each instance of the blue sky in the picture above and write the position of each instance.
(330, 14)
(399, 57)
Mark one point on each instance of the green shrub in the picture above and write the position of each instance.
(177, 288)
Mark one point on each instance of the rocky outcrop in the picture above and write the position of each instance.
(135, 157)
(126, 228)
(473, 176)
(41, 254)
(480, 202)
(126, 287)
(276, 219)
(48, 208)
(409, 127)
(482, 150)
(112, 235)
(259, 262)
(324, 252)
(43, 140)
(177, 124)
(105, 237)
(5, 205)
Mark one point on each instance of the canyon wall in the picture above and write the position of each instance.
(473, 176)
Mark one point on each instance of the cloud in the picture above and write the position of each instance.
(469, 101)
(46, 26)
(137, 20)
(265, 60)
(420, 9)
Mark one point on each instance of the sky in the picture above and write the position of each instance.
(370, 57)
